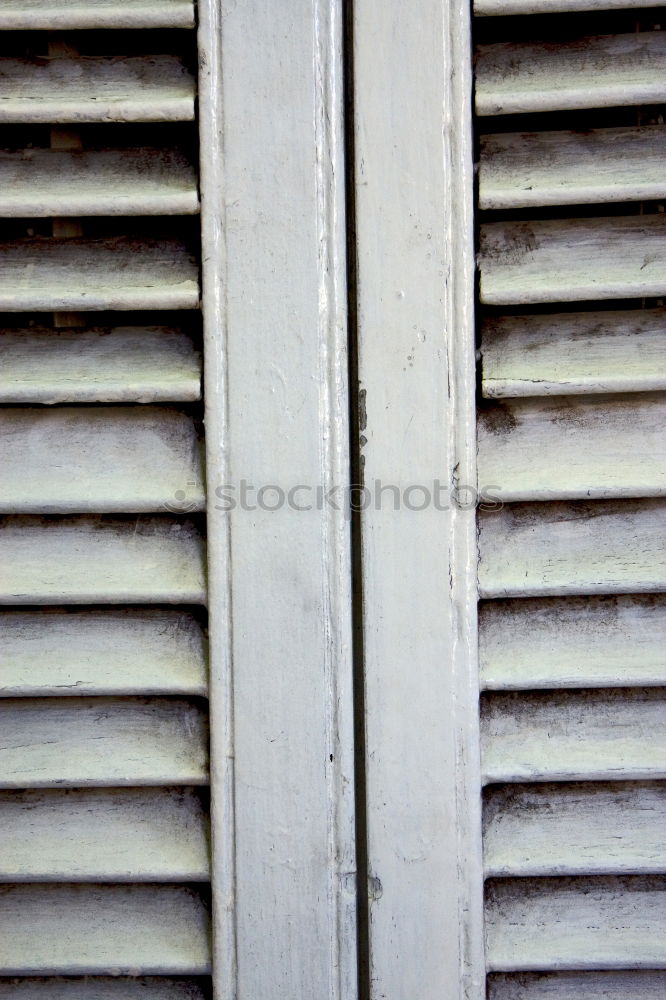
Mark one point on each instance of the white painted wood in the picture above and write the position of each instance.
(485, 8)
(70, 274)
(562, 736)
(77, 742)
(566, 261)
(542, 550)
(65, 15)
(99, 460)
(112, 930)
(110, 835)
(277, 412)
(574, 448)
(101, 560)
(573, 642)
(36, 183)
(413, 176)
(99, 365)
(622, 985)
(583, 829)
(96, 89)
(103, 988)
(603, 923)
(556, 354)
(124, 651)
(603, 71)
(571, 168)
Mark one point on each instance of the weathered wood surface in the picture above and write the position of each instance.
(573, 642)
(571, 168)
(562, 923)
(602, 71)
(574, 448)
(121, 652)
(567, 549)
(112, 930)
(48, 275)
(622, 985)
(557, 354)
(36, 183)
(65, 15)
(78, 742)
(101, 560)
(578, 829)
(103, 988)
(95, 89)
(523, 263)
(106, 835)
(609, 735)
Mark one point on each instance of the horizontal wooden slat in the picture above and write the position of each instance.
(124, 651)
(573, 642)
(87, 930)
(559, 549)
(574, 447)
(570, 736)
(104, 988)
(96, 89)
(553, 355)
(582, 829)
(602, 71)
(46, 275)
(523, 263)
(89, 742)
(114, 365)
(58, 15)
(621, 985)
(101, 560)
(110, 835)
(560, 923)
(41, 183)
(99, 459)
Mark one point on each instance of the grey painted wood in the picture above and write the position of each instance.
(64, 15)
(603, 71)
(101, 560)
(77, 742)
(112, 930)
(556, 354)
(96, 89)
(103, 988)
(70, 274)
(623, 985)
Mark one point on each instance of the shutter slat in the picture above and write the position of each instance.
(106, 652)
(99, 460)
(84, 930)
(101, 560)
(102, 988)
(523, 263)
(66, 15)
(96, 89)
(550, 924)
(595, 985)
(41, 183)
(602, 71)
(570, 736)
(582, 829)
(119, 365)
(574, 353)
(573, 643)
(551, 550)
(110, 835)
(570, 448)
(70, 274)
(572, 168)
(89, 742)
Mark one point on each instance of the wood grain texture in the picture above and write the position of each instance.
(103, 988)
(523, 263)
(96, 89)
(65, 15)
(108, 930)
(623, 985)
(602, 71)
(578, 829)
(588, 353)
(525, 170)
(568, 736)
(568, 924)
(560, 549)
(573, 642)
